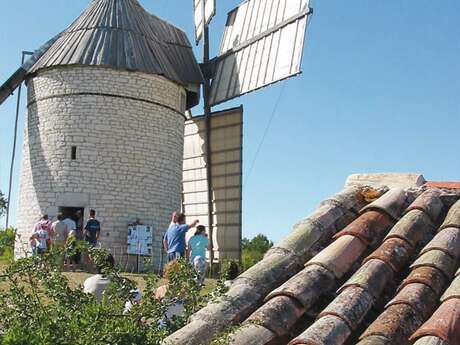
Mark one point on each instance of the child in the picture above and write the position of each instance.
(72, 253)
(197, 246)
(33, 241)
(42, 238)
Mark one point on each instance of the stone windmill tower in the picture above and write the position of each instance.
(105, 121)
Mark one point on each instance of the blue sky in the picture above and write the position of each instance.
(380, 92)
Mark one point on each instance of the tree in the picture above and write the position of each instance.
(253, 250)
(3, 203)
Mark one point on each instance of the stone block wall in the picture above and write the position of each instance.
(127, 128)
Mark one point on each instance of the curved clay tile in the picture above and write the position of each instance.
(340, 255)
(396, 323)
(392, 202)
(375, 340)
(438, 259)
(394, 251)
(251, 334)
(372, 276)
(350, 198)
(444, 323)
(430, 341)
(327, 330)
(419, 296)
(453, 217)
(306, 286)
(430, 203)
(430, 276)
(367, 225)
(412, 227)
(453, 291)
(351, 306)
(278, 315)
(448, 240)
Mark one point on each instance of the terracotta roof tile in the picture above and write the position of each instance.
(441, 184)
(339, 256)
(409, 227)
(430, 276)
(375, 340)
(419, 296)
(396, 323)
(430, 341)
(372, 276)
(306, 286)
(252, 334)
(428, 202)
(278, 315)
(351, 306)
(327, 330)
(444, 323)
(438, 259)
(367, 226)
(392, 202)
(452, 219)
(453, 290)
(394, 251)
(448, 240)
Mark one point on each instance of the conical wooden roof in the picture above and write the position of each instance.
(121, 34)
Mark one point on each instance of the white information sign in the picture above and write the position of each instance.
(140, 240)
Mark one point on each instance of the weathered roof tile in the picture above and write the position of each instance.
(396, 323)
(367, 226)
(278, 315)
(429, 340)
(412, 227)
(351, 306)
(394, 252)
(306, 286)
(327, 330)
(452, 219)
(252, 334)
(372, 276)
(448, 240)
(392, 202)
(419, 296)
(339, 256)
(444, 323)
(438, 259)
(427, 275)
(430, 203)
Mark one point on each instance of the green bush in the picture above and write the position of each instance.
(254, 250)
(39, 306)
(3, 204)
(7, 237)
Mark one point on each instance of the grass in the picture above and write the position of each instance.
(77, 279)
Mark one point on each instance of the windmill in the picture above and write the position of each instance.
(262, 44)
(126, 51)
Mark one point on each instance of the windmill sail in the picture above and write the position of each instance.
(226, 170)
(262, 44)
(210, 12)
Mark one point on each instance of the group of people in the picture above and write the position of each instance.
(63, 234)
(176, 246)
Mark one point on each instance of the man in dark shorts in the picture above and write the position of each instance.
(92, 229)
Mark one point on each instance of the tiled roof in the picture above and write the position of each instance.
(353, 272)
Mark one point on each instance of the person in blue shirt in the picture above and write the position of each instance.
(174, 239)
(196, 251)
(92, 229)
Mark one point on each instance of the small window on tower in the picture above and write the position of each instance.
(74, 153)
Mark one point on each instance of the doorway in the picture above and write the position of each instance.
(72, 213)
